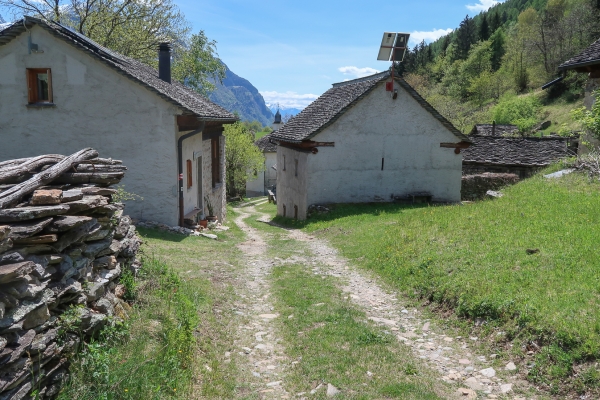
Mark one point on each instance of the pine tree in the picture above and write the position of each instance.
(465, 37)
(498, 50)
(495, 22)
(484, 29)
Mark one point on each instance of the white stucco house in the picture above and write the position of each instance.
(367, 140)
(267, 179)
(61, 92)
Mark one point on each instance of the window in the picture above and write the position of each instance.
(284, 163)
(188, 165)
(295, 167)
(216, 161)
(284, 210)
(295, 212)
(39, 85)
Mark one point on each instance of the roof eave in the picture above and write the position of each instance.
(565, 67)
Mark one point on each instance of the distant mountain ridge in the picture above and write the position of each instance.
(284, 110)
(238, 95)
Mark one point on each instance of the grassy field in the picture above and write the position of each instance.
(527, 264)
(179, 325)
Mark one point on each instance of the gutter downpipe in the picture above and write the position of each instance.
(180, 167)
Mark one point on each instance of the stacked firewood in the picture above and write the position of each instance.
(64, 242)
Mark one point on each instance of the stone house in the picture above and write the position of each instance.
(588, 61)
(61, 92)
(520, 156)
(267, 179)
(494, 130)
(367, 140)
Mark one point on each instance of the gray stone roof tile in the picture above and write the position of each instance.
(187, 99)
(332, 104)
(500, 130)
(589, 56)
(265, 145)
(515, 151)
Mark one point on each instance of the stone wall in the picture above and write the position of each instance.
(474, 187)
(63, 243)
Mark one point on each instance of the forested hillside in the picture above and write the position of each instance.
(474, 74)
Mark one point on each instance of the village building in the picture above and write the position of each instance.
(494, 130)
(61, 92)
(522, 156)
(266, 180)
(588, 61)
(367, 140)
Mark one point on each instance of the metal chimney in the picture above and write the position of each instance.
(164, 62)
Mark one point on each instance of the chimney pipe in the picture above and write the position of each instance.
(494, 128)
(164, 61)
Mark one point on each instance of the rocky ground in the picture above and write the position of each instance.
(470, 374)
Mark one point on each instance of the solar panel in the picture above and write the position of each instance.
(393, 42)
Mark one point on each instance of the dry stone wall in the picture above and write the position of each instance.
(474, 187)
(64, 242)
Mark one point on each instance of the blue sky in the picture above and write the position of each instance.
(292, 51)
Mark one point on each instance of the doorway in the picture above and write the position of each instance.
(199, 178)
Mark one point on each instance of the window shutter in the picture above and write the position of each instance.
(49, 86)
(31, 87)
(189, 173)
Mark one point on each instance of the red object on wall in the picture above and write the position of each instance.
(389, 86)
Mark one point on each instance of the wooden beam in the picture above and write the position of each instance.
(460, 145)
(188, 123)
(306, 145)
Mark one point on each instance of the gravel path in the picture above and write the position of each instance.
(457, 364)
(257, 344)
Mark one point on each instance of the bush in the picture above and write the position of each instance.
(521, 111)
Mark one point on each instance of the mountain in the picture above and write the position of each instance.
(238, 95)
(284, 110)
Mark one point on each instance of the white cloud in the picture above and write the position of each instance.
(288, 99)
(483, 5)
(357, 72)
(428, 36)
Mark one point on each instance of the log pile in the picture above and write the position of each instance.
(63, 243)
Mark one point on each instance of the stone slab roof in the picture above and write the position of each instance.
(590, 56)
(332, 104)
(500, 130)
(176, 93)
(265, 145)
(534, 152)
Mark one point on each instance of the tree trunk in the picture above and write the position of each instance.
(15, 193)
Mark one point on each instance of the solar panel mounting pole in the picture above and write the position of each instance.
(391, 42)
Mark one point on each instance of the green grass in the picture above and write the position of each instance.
(473, 259)
(334, 344)
(151, 354)
(559, 113)
(171, 345)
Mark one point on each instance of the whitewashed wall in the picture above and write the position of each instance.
(95, 107)
(265, 179)
(399, 131)
(291, 189)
